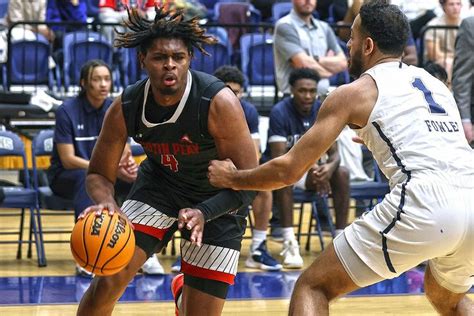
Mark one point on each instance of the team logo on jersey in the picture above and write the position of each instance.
(185, 139)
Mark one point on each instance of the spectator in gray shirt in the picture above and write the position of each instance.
(301, 41)
(463, 75)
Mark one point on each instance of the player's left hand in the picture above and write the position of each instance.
(192, 219)
(220, 173)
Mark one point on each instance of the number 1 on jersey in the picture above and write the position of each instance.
(434, 107)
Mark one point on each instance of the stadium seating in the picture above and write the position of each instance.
(42, 146)
(257, 58)
(22, 197)
(80, 47)
(319, 207)
(28, 63)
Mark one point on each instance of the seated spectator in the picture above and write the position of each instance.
(301, 41)
(65, 11)
(112, 11)
(289, 120)
(439, 43)
(78, 124)
(19, 11)
(191, 8)
(262, 205)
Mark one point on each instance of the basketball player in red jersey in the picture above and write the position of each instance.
(183, 119)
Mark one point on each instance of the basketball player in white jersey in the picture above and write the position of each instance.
(409, 120)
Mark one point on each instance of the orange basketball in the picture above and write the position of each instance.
(103, 244)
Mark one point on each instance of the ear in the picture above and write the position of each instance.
(82, 83)
(141, 58)
(369, 46)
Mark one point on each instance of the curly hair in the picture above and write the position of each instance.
(303, 73)
(141, 32)
(386, 25)
(229, 74)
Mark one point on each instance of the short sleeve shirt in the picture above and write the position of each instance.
(77, 123)
(287, 125)
(292, 36)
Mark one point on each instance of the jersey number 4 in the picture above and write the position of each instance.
(434, 107)
(170, 162)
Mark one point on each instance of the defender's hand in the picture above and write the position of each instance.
(192, 219)
(220, 173)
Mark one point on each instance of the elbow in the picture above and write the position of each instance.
(67, 164)
(289, 178)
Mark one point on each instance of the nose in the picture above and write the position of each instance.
(169, 64)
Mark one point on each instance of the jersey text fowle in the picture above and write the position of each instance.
(443, 127)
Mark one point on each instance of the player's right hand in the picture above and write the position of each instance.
(99, 208)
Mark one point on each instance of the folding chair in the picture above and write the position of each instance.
(280, 9)
(21, 197)
(42, 146)
(370, 190)
(28, 63)
(318, 204)
(80, 47)
(257, 58)
(219, 57)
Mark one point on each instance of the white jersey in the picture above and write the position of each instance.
(415, 125)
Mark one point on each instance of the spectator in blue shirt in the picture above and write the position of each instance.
(78, 124)
(259, 256)
(289, 120)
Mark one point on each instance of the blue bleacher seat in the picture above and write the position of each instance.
(130, 68)
(42, 145)
(28, 63)
(208, 64)
(280, 9)
(21, 197)
(257, 58)
(80, 47)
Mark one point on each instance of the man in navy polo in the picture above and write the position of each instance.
(78, 124)
(289, 120)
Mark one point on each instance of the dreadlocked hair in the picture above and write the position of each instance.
(141, 32)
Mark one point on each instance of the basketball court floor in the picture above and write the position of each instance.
(26, 289)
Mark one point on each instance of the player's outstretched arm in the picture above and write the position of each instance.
(105, 159)
(349, 104)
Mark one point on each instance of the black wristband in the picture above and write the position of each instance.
(224, 202)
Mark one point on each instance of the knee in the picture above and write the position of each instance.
(343, 173)
(340, 179)
(108, 288)
(319, 286)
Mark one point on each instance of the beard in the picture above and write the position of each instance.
(355, 65)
